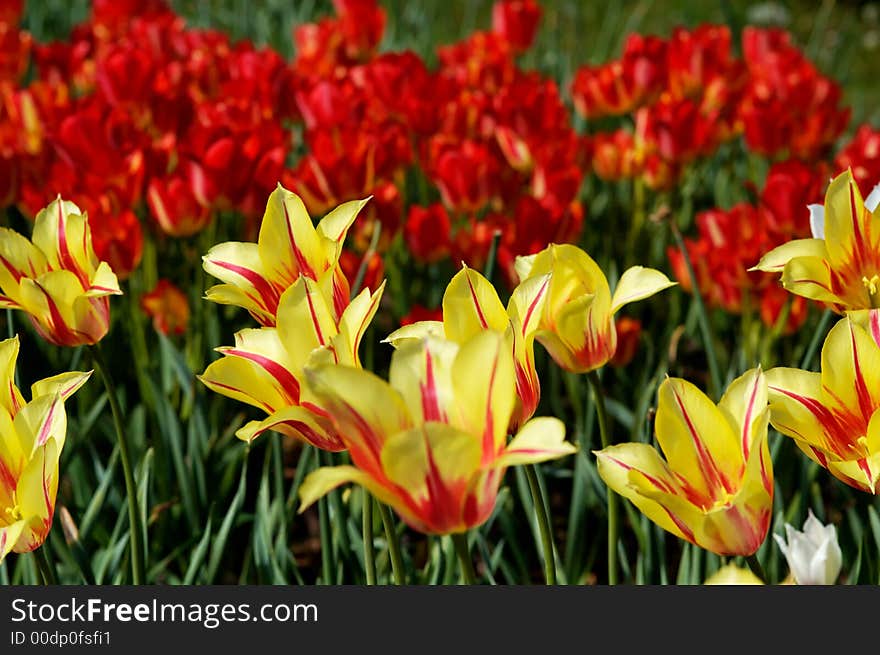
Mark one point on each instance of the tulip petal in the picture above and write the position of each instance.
(322, 481)
(817, 220)
(415, 331)
(471, 304)
(288, 244)
(246, 381)
(809, 277)
(299, 423)
(731, 574)
(39, 421)
(334, 226)
(526, 306)
(12, 457)
(485, 390)
(434, 463)
(851, 231)
(354, 323)
(239, 265)
(638, 283)
(796, 408)
(617, 466)
(775, 260)
(366, 410)
(305, 320)
(851, 368)
(539, 440)
(9, 536)
(64, 384)
(422, 371)
(523, 265)
(103, 282)
(696, 439)
(37, 488)
(744, 404)
(61, 233)
(264, 349)
(10, 397)
(18, 258)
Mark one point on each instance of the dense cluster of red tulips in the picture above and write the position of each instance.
(148, 124)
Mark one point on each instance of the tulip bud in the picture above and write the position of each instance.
(813, 555)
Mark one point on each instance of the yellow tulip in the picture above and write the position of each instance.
(432, 443)
(840, 266)
(715, 488)
(577, 324)
(832, 416)
(31, 438)
(265, 366)
(255, 275)
(731, 574)
(470, 306)
(57, 278)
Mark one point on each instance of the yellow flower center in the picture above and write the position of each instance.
(14, 513)
(872, 284)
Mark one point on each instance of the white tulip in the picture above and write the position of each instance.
(813, 555)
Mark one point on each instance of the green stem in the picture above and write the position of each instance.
(134, 515)
(464, 557)
(543, 524)
(393, 544)
(755, 566)
(369, 554)
(602, 419)
(327, 563)
(365, 261)
(493, 255)
(702, 315)
(47, 570)
(341, 517)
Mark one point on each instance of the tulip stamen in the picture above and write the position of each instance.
(872, 284)
(14, 513)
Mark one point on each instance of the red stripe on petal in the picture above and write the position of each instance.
(479, 309)
(866, 406)
(874, 322)
(534, 304)
(288, 383)
(681, 525)
(14, 272)
(489, 452)
(304, 267)
(374, 300)
(431, 410)
(314, 315)
(43, 436)
(64, 257)
(7, 479)
(747, 422)
(266, 406)
(662, 485)
(268, 294)
(714, 478)
(61, 333)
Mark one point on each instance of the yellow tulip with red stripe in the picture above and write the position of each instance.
(265, 366)
(715, 487)
(470, 306)
(56, 278)
(833, 415)
(432, 443)
(255, 275)
(32, 435)
(577, 324)
(840, 265)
